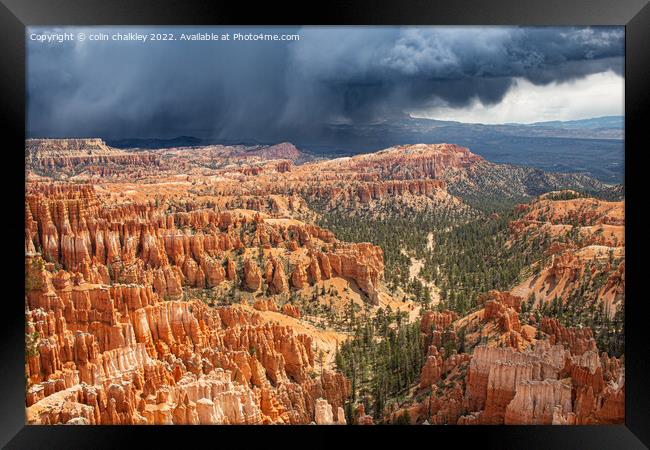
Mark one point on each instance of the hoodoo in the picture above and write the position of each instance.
(164, 288)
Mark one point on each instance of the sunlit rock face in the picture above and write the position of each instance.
(194, 286)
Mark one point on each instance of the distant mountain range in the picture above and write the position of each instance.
(613, 122)
(179, 141)
(593, 146)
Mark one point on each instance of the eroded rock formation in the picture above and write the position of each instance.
(167, 287)
(122, 355)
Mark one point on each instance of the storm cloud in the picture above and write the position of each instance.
(270, 90)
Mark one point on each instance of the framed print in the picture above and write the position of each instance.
(237, 222)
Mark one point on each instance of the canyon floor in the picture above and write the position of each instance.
(419, 284)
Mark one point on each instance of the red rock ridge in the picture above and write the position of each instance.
(121, 355)
(139, 243)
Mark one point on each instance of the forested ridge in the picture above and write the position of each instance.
(464, 253)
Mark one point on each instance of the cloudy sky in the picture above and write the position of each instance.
(270, 90)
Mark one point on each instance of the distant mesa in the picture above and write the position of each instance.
(93, 156)
(285, 150)
(66, 155)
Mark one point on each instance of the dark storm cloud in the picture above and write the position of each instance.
(271, 90)
(369, 71)
(153, 89)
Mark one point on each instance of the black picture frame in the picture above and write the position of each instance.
(15, 15)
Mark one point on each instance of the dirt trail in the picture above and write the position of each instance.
(416, 266)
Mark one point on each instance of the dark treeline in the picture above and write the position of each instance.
(477, 256)
(464, 252)
(383, 360)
